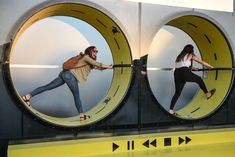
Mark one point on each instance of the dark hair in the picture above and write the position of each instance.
(89, 50)
(188, 49)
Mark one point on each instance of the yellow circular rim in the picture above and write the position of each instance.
(215, 49)
(120, 51)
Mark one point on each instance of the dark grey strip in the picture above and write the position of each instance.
(77, 11)
(195, 110)
(101, 23)
(100, 110)
(208, 39)
(116, 91)
(225, 68)
(117, 43)
(205, 69)
(216, 74)
(192, 24)
(215, 56)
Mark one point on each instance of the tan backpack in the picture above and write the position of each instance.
(71, 62)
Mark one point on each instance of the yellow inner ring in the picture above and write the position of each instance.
(120, 51)
(211, 42)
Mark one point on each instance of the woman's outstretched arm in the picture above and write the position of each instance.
(195, 58)
(103, 67)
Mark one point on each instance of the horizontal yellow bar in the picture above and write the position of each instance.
(123, 144)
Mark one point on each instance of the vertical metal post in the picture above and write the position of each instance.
(138, 67)
(3, 147)
(233, 7)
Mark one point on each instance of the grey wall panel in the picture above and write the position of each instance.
(10, 114)
(140, 23)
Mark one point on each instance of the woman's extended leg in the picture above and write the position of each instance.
(178, 89)
(53, 84)
(179, 85)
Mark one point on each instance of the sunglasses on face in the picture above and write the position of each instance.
(96, 51)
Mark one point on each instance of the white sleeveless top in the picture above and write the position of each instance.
(183, 63)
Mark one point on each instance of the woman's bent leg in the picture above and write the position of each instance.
(191, 77)
(72, 83)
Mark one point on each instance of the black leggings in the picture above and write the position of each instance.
(183, 75)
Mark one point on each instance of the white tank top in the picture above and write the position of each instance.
(183, 63)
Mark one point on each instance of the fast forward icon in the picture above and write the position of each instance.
(186, 140)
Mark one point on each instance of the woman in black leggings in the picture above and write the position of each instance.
(183, 74)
